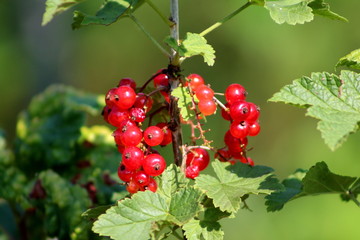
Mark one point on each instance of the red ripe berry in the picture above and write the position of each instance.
(105, 113)
(195, 81)
(137, 114)
(250, 161)
(154, 164)
(167, 133)
(239, 110)
(124, 173)
(226, 114)
(153, 136)
(132, 158)
(130, 136)
(161, 80)
(152, 185)
(143, 101)
(120, 148)
(254, 129)
(222, 154)
(198, 157)
(239, 129)
(125, 97)
(235, 144)
(254, 112)
(132, 187)
(207, 107)
(141, 178)
(111, 97)
(117, 115)
(235, 92)
(192, 171)
(204, 92)
(127, 82)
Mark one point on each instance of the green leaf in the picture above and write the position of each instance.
(331, 99)
(171, 181)
(54, 7)
(196, 229)
(290, 11)
(106, 15)
(321, 8)
(352, 60)
(184, 205)
(132, 218)
(193, 45)
(184, 102)
(231, 183)
(110, 12)
(293, 186)
(318, 180)
(94, 213)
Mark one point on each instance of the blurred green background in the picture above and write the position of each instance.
(251, 49)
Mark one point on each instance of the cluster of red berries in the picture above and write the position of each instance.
(204, 94)
(126, 110)
(244, 117)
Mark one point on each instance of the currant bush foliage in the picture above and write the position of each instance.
(317, 180)
(59, 167)
(332, 99)
(196, 208)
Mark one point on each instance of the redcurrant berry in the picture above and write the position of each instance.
(132, 187)
(143, 101)
(161, 80)
(235, 92)
(127, 82)
(226, 114)
(167, 133)
(152, 185)
(130, 136)
(254, 112)
(132, 158)
(254, 129)
(125, 97)
(153, 136)
(207, 107)
(195, 81)
(117, 115)
(192, 171)
(204, 92)
(141, 178)
(239, 110)
(198, 157)
(124, 173)
(137, 114)
(239, 129)
(154, 164)
(111, 97)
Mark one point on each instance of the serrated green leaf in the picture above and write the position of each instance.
(184, 205)
(184, 102)
(352, 60)
(227, 188)
(54, 7)
(196, 229)
(171, 181)
(293, 186)
(289, 11)
(94, 213)
(333, 100)
(132, 218)
(318, 180)
(192, 45)
(322, 8)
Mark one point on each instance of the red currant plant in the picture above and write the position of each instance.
(177, 199)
